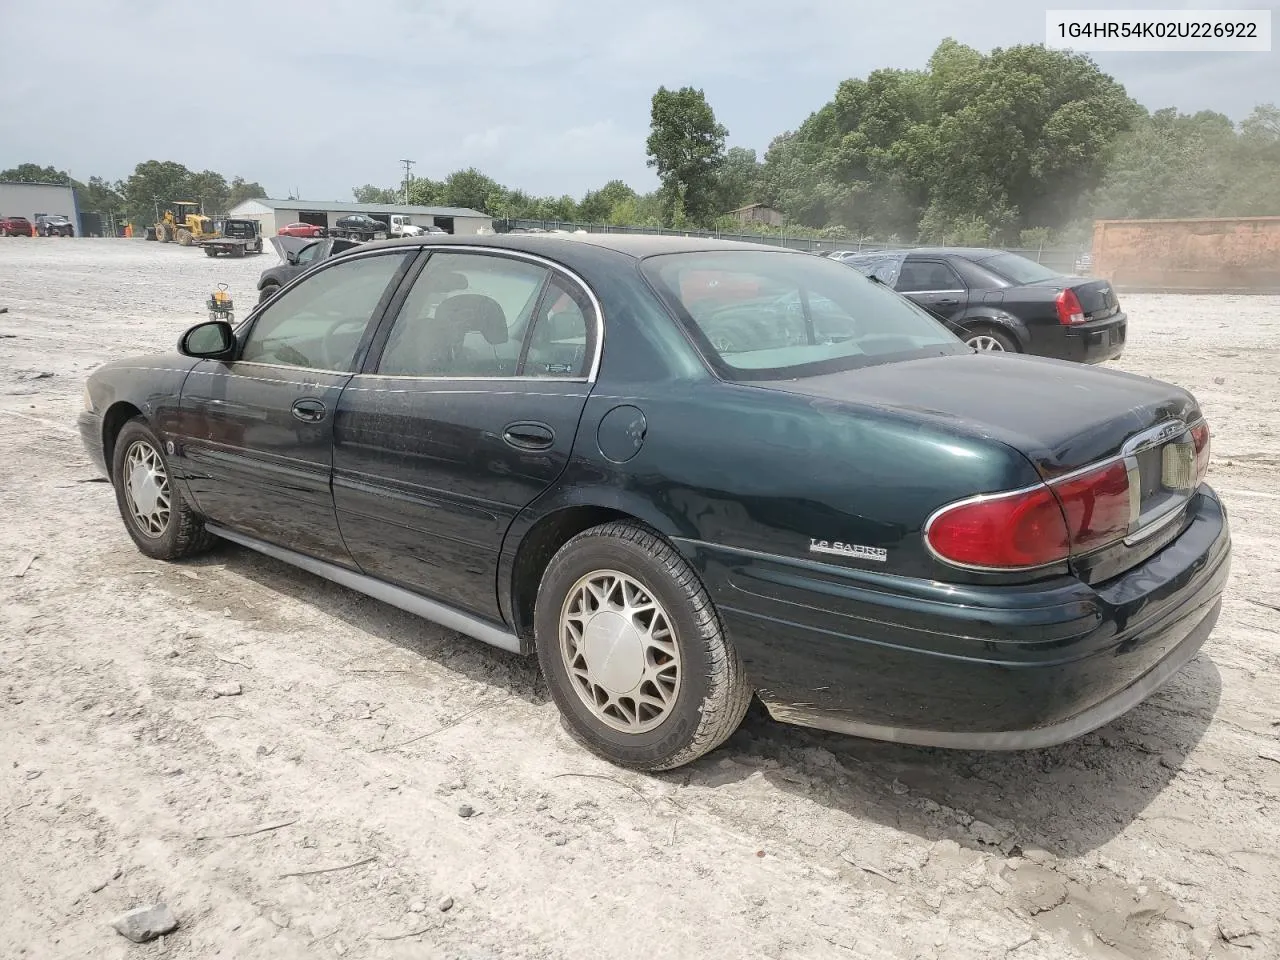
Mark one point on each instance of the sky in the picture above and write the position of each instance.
(551, 96)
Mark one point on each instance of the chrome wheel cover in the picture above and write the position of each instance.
(620, 651)
(146, 489)
(984, 342)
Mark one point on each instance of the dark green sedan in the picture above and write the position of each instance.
(683, 472)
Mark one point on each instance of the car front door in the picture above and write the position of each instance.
(465, 411)
(934, 285)
(255, 434)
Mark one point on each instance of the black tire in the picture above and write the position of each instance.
(183, 533)
(713, 693)
(210, 252)
(1007, 343)
(268, 291)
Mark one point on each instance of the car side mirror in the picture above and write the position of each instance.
(291, 257)
(211, 340)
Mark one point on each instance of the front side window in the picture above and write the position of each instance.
(318, 322)
(309, 253)
(774, 315)
(466, 316)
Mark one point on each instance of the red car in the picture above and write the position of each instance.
(15, 227)
(300, 230)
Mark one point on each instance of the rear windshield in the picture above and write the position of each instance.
(761, 315)
(1018, 269)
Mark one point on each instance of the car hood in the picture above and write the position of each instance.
(1061, 415)
(287, 245)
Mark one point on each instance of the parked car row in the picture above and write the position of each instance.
(682, 471)
(358, 226)
(46, 225)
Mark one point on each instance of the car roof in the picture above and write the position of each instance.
(556, 246)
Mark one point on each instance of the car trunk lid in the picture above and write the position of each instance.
(1097, 298)
(1063, 417)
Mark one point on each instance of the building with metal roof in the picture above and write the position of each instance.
(274, 214)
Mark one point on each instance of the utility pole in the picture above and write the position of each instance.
(408, 177)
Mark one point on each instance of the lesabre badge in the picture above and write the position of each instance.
(856, 550)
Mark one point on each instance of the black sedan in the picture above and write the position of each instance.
(681, 472)
(1001, 301)
(357, 226)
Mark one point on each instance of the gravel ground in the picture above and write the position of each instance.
(361, 735)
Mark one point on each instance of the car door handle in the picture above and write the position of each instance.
(528, 436)
(945, 301)
(309, 411)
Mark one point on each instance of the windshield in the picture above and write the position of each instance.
(1018, 269)
(769, 316)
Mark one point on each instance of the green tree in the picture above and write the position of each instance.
(686, 147)
(241, 190)
(99, 196)
(426, 192)
(34, 173)
(470, 188)
(738, 180)
(209, 189)
(371, 194)
(598, 206)
(155, 184)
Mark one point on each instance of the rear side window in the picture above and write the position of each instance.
(1018, 269)
(927, 276)
(761, 315)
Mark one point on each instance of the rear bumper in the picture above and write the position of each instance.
(1093, 342)
(1001, 668)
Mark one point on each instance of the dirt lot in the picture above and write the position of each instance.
(361, 732)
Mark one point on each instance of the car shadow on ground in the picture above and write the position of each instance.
(1067, 799)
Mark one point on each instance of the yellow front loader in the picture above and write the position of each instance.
(185, 224)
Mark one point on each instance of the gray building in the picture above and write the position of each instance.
(274, 214)
(31, 200)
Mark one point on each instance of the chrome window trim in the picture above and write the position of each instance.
(918, 292)
(593, 371)
(1139, 529)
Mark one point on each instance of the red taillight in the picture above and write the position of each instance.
(1200, 437)
(1069, 309)
(1097, 506)
(1004, 532)
(1044, 525)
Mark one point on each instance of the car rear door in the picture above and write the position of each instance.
(465, 411)
(933, 284)
(255, 434)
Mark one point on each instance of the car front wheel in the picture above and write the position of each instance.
(268, 291)
(157, 517)
(634, 652)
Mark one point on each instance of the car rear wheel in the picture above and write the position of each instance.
(158, 519)
(991, 340)
(633, 650)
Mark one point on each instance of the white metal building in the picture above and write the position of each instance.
(274, 214)
(31, 200)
